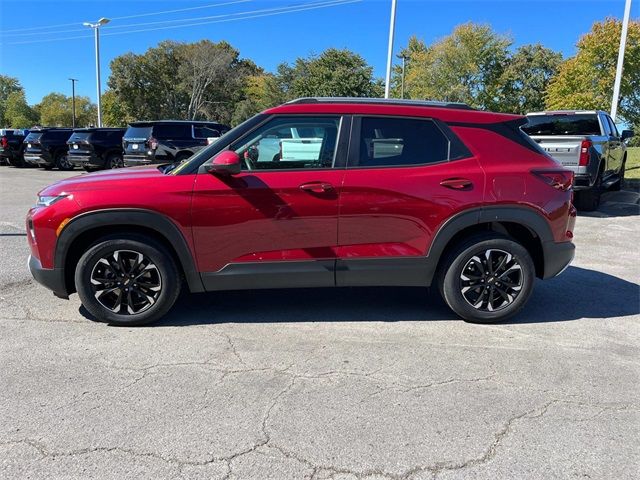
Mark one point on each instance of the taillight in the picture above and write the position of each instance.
(4, 142)
(585, 146)
(152, 143)
(558, 179)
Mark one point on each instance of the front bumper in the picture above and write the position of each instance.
(52, 279)
(557, 257)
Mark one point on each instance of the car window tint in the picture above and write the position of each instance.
(172, 131)
(562, 124)
(290, 143)
(401, 141)
(205, 132)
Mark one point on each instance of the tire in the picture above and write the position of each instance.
(125, 302)
(182, 156)
(114, 161)
(62, 162)
(589, 200)
(17, 162)
(483, 303)
(619, 185)
(90, 169)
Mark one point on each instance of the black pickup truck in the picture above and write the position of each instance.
(47, 147)
(96, 148)
(12, 146)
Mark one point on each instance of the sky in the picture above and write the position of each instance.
(267, 31)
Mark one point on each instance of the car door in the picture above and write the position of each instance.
(274, 224)
(616, 149)
(404, 178)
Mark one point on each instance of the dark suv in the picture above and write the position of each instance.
(12, 147)
(47, 147)
(96, 148)
(167, 141)
(318, 193)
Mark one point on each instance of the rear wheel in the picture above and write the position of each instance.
(182, 156)
(62, 161)
(487, 278)
(589, 200)
(114, 161)
(16, 161)
(619, 185)
(127, 280)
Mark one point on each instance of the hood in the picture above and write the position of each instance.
(105, 180)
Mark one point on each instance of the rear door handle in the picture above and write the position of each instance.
(457, 183)
(316, 187)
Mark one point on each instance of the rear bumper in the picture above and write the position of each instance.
(557, 257)
(41, 159)
(53, 279)
(89, 160)
(135, 160)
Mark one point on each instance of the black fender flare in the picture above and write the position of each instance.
(522, 215)
(155, 221)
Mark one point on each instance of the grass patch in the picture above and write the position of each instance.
(633, 163)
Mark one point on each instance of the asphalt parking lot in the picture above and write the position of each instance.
(330, 384)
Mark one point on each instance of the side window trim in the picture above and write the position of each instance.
(342, 144)
(354, 143)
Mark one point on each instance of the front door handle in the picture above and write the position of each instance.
(457, 183)
(316, 187)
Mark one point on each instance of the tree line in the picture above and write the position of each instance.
(474, 64)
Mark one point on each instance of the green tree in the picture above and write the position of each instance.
(18, 114)
(147, 86)
(334, 73)
(8, 85)
(526, 77)
(585, 81)
(465, 66)
(261, 92)
(56, 110)
(113, 112)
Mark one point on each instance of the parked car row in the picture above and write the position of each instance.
(142, 143)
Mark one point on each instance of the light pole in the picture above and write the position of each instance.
(392, 25)
(73, 101)
(623, 43)
(96, 28)
(404, 59)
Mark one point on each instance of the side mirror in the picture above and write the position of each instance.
(225, 163)
(626, 134)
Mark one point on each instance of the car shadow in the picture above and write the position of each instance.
(577, 293)
(625, 203)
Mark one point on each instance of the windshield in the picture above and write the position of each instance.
(577, 124)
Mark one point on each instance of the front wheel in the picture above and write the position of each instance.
(127, 280)
(487, 278)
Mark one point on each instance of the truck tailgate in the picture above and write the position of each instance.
(564, 149)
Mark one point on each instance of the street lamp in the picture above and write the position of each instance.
(73, 101)
(392, 26)
(96, 27)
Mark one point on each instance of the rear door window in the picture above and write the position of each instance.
(172, 131)
(205, 132)
(392, 142)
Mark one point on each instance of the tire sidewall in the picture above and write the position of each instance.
(450, 286)
(155, 252)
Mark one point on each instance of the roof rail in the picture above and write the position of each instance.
(383, 101)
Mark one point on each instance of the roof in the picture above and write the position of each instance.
(447, 112)
(381, 101)
(102, 129)
(188, 122)
(566, 112)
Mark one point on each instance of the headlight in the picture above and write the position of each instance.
(46, 200)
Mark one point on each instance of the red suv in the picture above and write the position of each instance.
(319, 192)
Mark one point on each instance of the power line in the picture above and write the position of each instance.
(191, 19)
(47, 27)
(285, 10)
